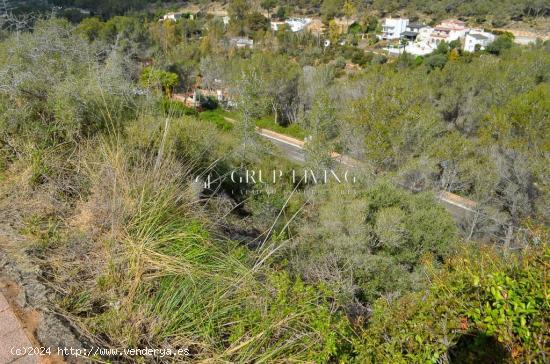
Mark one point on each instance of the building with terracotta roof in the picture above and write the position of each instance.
(447, 31)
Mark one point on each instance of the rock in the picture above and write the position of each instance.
(53, 332)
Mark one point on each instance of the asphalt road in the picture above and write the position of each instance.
(292, 152)
(296, 153)
(458, 207)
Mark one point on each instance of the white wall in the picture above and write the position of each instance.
(470, 42)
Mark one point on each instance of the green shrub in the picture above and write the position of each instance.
(360, 57)
(379, 59)
(372, 243)
(340, 62)
(434, 61)
(293, 308)
(480, 297)
(499, 22)
(158, 79)
(55, 89)
(209, 103)
(294, 130)
(406, 226)
(216, 116)
(500, 44)
(174, 109)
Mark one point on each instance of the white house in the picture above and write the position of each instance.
(178, 15)
(393, 27)
(424, 34)
(415, 27)
(295, 24)
(298, 24)
(412, 31)
(172, 16)
(447, 31)
(241, 42)
(477, 38)
(421, 45)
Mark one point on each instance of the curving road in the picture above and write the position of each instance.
(293, 149)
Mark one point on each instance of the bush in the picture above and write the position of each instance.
(499, 22)
(216, 117)
(500, 44)
(434, 61)
(256, 22)
(405, 60)
(209, 103)
(340, 63)
(480, 298)
(443, 48)
(379, 59)
(355, 28)
(360, 57)
(403, 225)
(293, 130)
(281, 13)
(158, 79)
(174, 109)
(55, 89)
(373, 244)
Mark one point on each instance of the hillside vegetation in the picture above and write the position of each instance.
(103, 175)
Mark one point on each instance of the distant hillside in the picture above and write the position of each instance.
(104, 8)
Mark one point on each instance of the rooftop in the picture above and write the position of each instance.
(409, 34)
(478, 36)
(394, 21)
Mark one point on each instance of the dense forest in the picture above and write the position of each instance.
(102, 171)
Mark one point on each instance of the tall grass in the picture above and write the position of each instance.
(293, 130)
(140, 267)
(165, 281)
